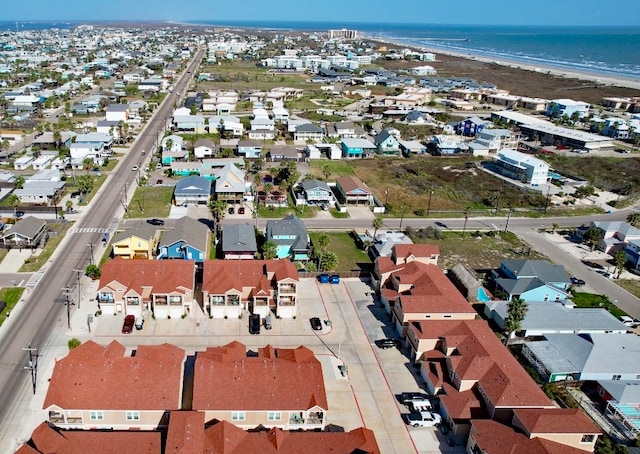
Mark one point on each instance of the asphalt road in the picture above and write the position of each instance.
(32, 326)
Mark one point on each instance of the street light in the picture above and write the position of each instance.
(33, 365)
(91, 247)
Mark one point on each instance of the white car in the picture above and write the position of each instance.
(135, 168)
(424, 419)
(630, 322)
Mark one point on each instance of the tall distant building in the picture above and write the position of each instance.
(343, 33)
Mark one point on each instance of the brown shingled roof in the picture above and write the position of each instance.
(92, 376)
(350, 183)
(225, 378)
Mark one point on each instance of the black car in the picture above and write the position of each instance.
(593, 264)
(576, 281)
(254, 324)
(231, 210)
(408, 398)
(388, 343)
(155, 221)
(316, 323)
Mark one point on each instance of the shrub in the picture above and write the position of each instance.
(73, 343)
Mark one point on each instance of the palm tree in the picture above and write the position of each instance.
(633, 218)
(620, 260)
(376, 224)
(328, 261)
(218, 209)
(323, 242)
(326, 171)
(516, 312)
(268, 187)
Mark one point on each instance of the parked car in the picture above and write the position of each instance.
(231, 210)
(408, 397)
(267, 322)
(139, 323)
(19, 214)
(605, 274)
(630, 322)
(420, 405)
(387, 343)
(576, 281)
(424, 419)
(135, 168)
(155, 221)
(335, 279)
(316, 323)
(159, 181)
(254, 324)
(241, 210)
(323, 278)
(593, 264)
(127, 326)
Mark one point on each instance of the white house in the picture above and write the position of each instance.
(22, 163)
(522, 167)
(117, 112)
(41, 162)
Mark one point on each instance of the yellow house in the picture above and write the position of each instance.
(137, 242)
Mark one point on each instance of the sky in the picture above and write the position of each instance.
(484, 12)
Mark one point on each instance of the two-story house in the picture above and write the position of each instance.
(133, 287)
(230, 184)
(239, 242)
(531, 280)
(316, 191)
(231, 287)
(193, 189)
(188, 240)
(138, 241)
(277, 387)
(387, 143)
(290, 236)
(102, 388)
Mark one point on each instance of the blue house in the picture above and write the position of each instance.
(386, 142)
(531, 280)
(356, 148)
(290, 236)
(470, 126)
(188, 240)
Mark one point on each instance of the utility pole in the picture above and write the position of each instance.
(66, 292)
(429, 204)
(91, 258)
(506, 227)
(33, 365)
(401, 219)
(78, 278)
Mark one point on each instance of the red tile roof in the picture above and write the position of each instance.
(431, 291)
(495, 438)
(402, 251)
(555, 421)
(185, 434)
(48, 439)
(220, 276)
(225, 378)
(164, 276)
(229, 439)
(480, 356)
(463, 405)
(102, 378)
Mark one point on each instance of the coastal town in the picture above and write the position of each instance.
(241, 240)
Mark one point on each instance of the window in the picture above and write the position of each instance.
(133, 416)
(274, 416)
(616, 377)
(587, 438)
(447, 316)
(237, 416)
(96, 415)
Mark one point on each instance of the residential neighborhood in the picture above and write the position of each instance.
(269, 240)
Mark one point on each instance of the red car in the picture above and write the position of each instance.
(127, 326)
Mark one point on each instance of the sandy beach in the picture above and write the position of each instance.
(521, 78)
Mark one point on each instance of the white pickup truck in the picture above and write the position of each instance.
(424, 419)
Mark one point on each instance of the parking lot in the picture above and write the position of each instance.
(351, 322)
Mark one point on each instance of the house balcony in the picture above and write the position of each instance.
(287, 302)
(287, 288)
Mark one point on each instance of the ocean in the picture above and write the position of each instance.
(608, 51)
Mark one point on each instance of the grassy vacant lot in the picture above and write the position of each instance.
(11, 296)
(611, 174)
(478, 251)
(246, 76)
(34, 264)
(630, 285)
(97, 182)
(456, 184)
(151, 202)
(592, 300)
(350, 258)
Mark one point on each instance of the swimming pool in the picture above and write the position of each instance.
(555, 176)
(483, 295)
